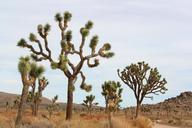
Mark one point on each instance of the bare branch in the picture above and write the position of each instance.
(95, 64)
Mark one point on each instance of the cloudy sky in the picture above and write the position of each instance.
(156, 31)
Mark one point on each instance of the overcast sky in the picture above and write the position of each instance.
(156, 31)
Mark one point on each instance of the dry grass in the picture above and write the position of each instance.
(98, 120)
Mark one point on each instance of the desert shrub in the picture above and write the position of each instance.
(143, 122)
(171, 121)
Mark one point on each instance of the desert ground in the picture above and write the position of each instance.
(81, 120)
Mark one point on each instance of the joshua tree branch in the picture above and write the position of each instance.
(71, 65)
(81, 47)
(83, 78)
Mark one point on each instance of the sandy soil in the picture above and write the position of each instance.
(163, 126)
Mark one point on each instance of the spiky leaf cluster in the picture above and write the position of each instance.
(24, 65)
(32, 37)
(21, 43)
(36, 71)
(58, 17)
(86, 87)
(84, 32)
(93, 43)
(105, 51)
(67, 16)
(43, 30)
(89, 25)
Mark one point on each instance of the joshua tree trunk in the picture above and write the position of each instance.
(21, 105)
(137, 109)
(69, 99)
(90, 111)
(36, 104)
(109, 119)
(33, 98)
(35, 109)
(106, 107)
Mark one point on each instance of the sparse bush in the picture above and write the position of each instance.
(88, 103)
(53, 106)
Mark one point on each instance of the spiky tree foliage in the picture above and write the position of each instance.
(88, 103)
(143, 81)
(24, 68)
(70, 70)
(53, 106)
(112, 91)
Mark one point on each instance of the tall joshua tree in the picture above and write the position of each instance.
(112, 90)
(143, 81)
(70, 70)
(24, 68)
(88, 102)
(29, 73)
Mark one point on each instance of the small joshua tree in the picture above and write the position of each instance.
(53, 106)
(88, 103)
(35, 97)
(111, 91)
(70, 70)
(143, 80)
(36, 72)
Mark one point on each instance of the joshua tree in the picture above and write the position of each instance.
(24, 68)
(35, 97)
(29, 73)
(143, 80)
(53, 106)
(88, 103)
(36, 72)
(71, 70)
(112, 90)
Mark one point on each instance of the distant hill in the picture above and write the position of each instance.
(180, 103)
(9, 97)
